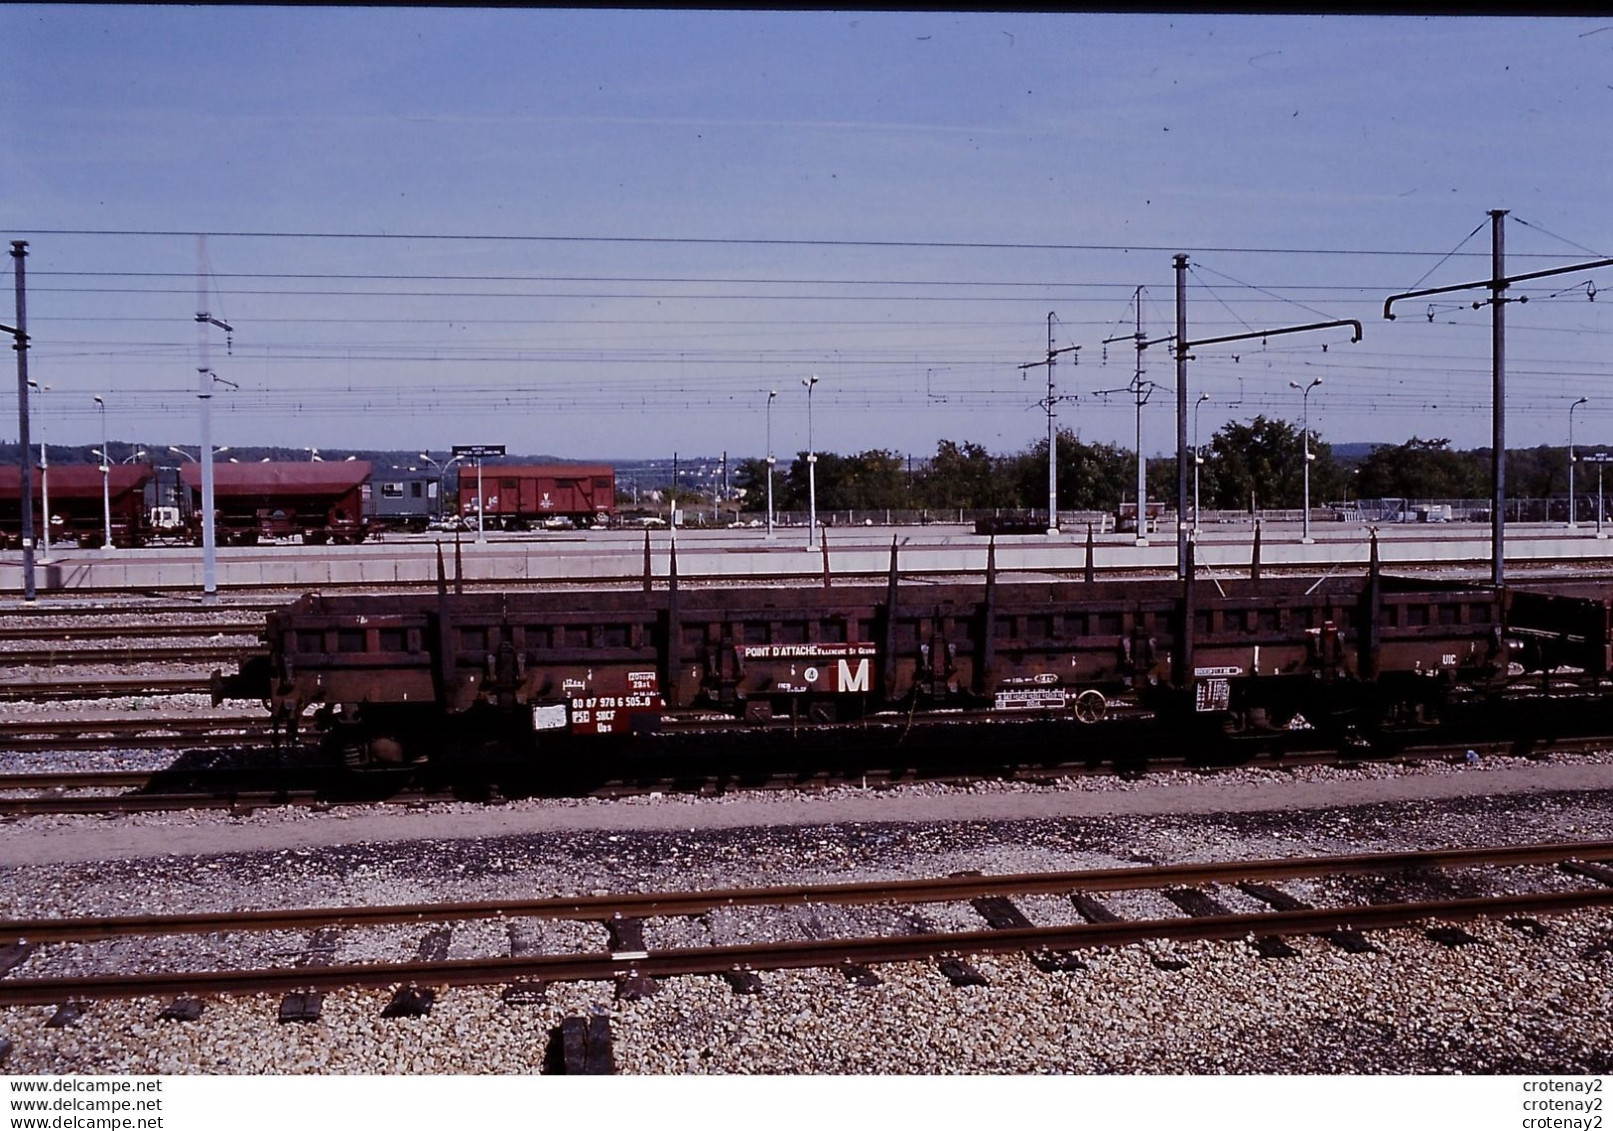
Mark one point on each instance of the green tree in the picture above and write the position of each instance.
(1261, 464)
(871, 480)
(1091, 476)
(964, 475)
(1421, 469)
(750, 482)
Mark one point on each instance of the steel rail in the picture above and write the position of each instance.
(132, 654)
(96, 606)
(790, 955)
(934, 890)
(122, 724)
(43, 690)
(208, 740)
(134, 631)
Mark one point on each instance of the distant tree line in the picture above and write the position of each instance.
(1255, 464)
(1247, 465)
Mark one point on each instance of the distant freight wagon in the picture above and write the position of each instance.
(518, 498)
(318, 501)
(80, 501)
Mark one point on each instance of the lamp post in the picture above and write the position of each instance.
(44, 475)
(1572, 523)
(440, 469)
(770, 461)
(441, 476)
(106, 480)
(1198, 458)
(193, 459)
(1305, 425)
(812, 468)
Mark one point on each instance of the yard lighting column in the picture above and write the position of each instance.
(44, 476)
(106, 480)
(216, 451)
(1305, 425)
(770, 461)
(1572, 524)
(812, 468)
(442, 477)
(1198, 458)
(481, 506)
(440, 469)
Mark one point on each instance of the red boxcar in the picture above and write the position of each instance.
(78, 499)
(322, 502)
(520, 497)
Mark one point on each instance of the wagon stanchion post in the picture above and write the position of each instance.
(1370, 638)
(1254, 555)
(890, 625)
(649, 576)
(674, 626)
(823, 540)
(1183, 676)
(1091, 571)
(988, 623)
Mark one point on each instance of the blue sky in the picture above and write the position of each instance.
(642, 222)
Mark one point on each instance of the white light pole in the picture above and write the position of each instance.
(441, 496)
(481, 506)
(1572, 524)
(193, 459)
(106, 480)
(770, 461)
(44, 473)
(440, 469)
(1198, 458)
(1305, 425)
(812, 468)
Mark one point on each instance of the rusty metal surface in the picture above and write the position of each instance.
(803, 651)
(604, 908)
(855, 955)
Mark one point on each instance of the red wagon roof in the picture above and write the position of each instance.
(531, 471)
(304, 477)
(79, 480)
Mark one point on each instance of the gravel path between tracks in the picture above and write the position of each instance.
(1516, 1000)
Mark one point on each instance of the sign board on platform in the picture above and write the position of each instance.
(478, 451)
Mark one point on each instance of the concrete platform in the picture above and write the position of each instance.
(618, 555)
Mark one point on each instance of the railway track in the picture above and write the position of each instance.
(137, 731)
(163, 631)
(131, 654)
(247, 786)
(38, 691)
(906, 934)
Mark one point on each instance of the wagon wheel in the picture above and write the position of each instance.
(372, 753)
(1091, 706)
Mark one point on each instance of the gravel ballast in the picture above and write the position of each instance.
(1519, 998)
